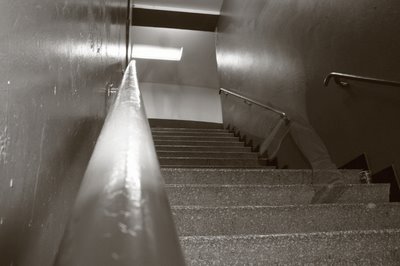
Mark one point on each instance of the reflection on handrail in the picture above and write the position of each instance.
(337, 77)
(250, 101)
(121, 215)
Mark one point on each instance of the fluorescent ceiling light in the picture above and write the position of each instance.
(177, 9)
(157, 52)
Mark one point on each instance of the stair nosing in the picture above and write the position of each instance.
(321, 205)
(207, 158)
(292, 235)
(269, 186)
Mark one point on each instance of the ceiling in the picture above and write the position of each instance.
(177, 14)
(178, 23)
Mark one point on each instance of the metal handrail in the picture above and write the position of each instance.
(248, 100)
(121, 215)
(337, 78)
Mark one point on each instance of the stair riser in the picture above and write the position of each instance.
(212, 162)
(194, 138)
(349, 248)
(201, 148)
(163, 123)
(188, 130)
(287, 219)
(262, 177)
(165, 166)
(199, 143)
(231, 155)
(192, 134)
(269, 196)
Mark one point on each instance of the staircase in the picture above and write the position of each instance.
(230, 208)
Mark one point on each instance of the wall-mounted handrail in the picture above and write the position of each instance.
(337, 77)
(121, 215)
(248, 100)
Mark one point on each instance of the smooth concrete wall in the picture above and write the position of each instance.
(197, 67)
(56, 59)
(177, 102)
(185, 89)
(279, 52)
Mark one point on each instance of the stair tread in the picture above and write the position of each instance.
(330, 233)
(243, 195)
(270, 186)
(367, 247)
(235, 220)
(254, 176)
(155, 129)
(230, 209)
(212, 162)
(196, 138)
(211, 154)
(206, 158)
(225, 166)
(162, 133)
(201, 148)
(199, 143)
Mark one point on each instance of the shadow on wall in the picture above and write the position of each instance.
(280, 51)
(264, 127)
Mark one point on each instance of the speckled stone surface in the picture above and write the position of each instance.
(260, 216)
(202, 148)
(195, 138)
(252, 220)
(374, 247)
(220, 155)
(199, 143)
(257, 176)
(245, 195)
(201, 161)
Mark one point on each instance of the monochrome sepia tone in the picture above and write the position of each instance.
(212, 132)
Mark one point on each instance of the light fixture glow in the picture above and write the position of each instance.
(157, 52)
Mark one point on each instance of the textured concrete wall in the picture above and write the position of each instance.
(56, 58)
(279, 52)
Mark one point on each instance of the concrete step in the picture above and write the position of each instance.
(188, 130)
(155, 123)
(209, 162)
(191, 133)
(194, 138)
(372, 247)
(263, 220)
(199, 143)
(258, 176)
(167, 166)
(220, 155)
(202, 148)
(262, 195)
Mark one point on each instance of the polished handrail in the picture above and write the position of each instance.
(337, 78)
(121, 215)
(248, 100)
